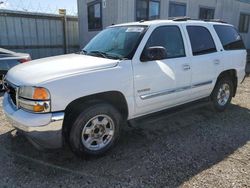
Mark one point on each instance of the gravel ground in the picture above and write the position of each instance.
(191, 148)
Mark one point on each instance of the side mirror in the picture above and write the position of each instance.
(154, 53)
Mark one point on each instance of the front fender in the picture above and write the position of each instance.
(65, 90)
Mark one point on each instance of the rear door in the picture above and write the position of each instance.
(205, 60)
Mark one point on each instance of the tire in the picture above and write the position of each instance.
(95, 130)
(222, 94)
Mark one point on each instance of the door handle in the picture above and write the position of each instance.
(186, 67)
(216, 61)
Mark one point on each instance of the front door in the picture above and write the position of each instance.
(163, 83)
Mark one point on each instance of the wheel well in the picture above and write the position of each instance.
(232, 74)
(114, 98)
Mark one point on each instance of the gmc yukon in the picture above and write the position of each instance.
(125, 72)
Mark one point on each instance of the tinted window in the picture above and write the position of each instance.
(201, 40)
(95, 16)
(206, 14)
(147, 9)
(169, 37)
(177, 9)
(229, 37)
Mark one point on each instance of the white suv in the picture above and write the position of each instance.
(126, 71)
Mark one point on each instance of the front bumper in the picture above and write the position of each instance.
(43, 130)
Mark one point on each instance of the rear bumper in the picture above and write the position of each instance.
(43, 130)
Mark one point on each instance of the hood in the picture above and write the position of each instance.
(42, 70)
(8, 55)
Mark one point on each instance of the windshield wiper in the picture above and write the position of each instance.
(103, 54)
(83, 52)
(114, 56)
(99, 53)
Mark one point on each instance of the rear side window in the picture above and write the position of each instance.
(229, 37)
(201, 40)
(169, 37)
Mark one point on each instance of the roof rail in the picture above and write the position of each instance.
(184, 18)
(214, 20)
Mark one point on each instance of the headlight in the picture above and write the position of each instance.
(34, 99)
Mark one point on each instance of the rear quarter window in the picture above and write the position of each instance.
(229, 37)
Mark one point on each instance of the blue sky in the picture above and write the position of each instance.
(49, 6)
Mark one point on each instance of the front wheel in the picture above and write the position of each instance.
(222, 94)
(95, 130)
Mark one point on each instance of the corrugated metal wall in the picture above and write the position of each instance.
(41, 35)
(120, 11)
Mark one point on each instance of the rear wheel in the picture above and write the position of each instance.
(222, 94)
(95, 130)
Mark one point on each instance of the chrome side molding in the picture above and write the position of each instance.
(167, 92)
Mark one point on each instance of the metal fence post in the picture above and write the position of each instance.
(65, 31)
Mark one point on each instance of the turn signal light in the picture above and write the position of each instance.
(40, 94)
(38, 108)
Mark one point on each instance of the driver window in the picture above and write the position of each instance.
(169, 37)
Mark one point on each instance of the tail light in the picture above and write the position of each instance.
(24, 60)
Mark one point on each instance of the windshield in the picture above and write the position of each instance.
(115, 42)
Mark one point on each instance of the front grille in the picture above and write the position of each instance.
(12, 92)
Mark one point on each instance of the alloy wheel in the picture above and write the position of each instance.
(223, 94)
(98, 132)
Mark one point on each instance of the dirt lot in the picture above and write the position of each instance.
(192, 148)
